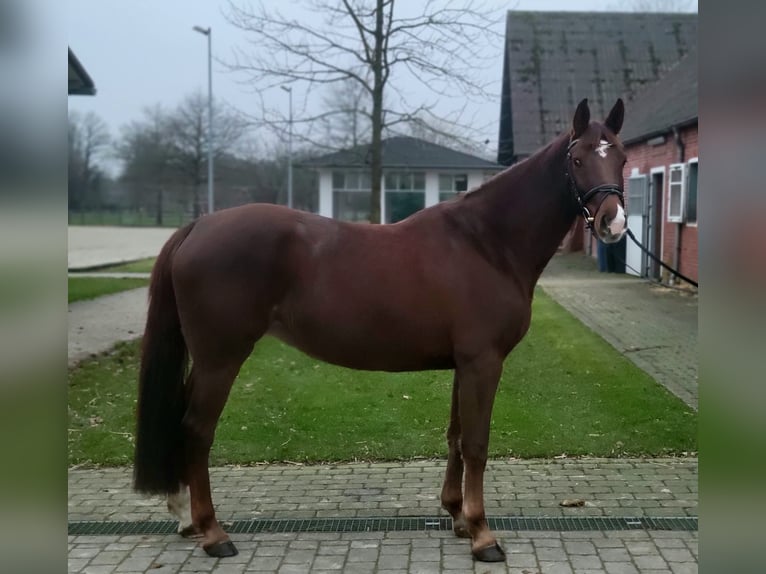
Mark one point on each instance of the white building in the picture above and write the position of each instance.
(416, 174)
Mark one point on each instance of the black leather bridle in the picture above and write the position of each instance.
(582, 199)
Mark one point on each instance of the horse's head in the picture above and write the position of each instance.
(594, 168)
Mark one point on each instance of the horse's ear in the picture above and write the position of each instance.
(581, 119)
(615, 117)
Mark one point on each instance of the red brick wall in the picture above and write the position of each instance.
(645, 157)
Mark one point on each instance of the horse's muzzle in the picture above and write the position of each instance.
(610, 223)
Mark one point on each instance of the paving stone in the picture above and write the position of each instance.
(137, 564)
(614, 554)
(579, 547)
(362, 555)
(298, 556)
(551, 554)
(333, 548)
(394, 561)
(620, 568)
(583, 561)
(522, 560)
(555, 568)
(676, 554)
(424, 568)
(264, 563)
(77, 564)
(359, 568)
(646, 561)
(683, 567)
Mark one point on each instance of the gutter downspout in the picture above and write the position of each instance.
(677, 245)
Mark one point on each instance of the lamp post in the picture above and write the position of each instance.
(289, 91)
(209, 33)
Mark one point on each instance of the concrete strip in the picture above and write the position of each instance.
(91, 246)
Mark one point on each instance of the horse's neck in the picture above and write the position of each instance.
(525, 208)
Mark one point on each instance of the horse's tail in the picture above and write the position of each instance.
(164, 358)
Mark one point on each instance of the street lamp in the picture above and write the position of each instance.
(209, 33)
(289, 91)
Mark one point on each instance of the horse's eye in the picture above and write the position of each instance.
(577, 162)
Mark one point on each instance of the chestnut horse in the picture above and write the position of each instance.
(448, 288)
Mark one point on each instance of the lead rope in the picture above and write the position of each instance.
(659, 261)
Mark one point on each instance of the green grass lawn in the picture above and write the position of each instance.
(81, 288)
(564, 390)
(140, 266)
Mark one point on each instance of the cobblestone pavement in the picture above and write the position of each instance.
(627, 487)
(610, 487)
(655, 327)
(617, 552)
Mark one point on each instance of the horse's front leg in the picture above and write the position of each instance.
(478, 382)
(452, 491)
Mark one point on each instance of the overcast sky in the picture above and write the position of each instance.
(144, 52)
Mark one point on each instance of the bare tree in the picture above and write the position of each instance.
(348, 121)
(89, 138)
(146, 149)
(441, 47)
(187, 129)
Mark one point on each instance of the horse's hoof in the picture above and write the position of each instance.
(221, 549)
(493, 553)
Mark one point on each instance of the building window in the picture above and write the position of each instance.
(351, 181)
(676, 193)
(351, 195)
(452, 184)
(351, 205)
(405, 181)
(404, 194)
(691, 192)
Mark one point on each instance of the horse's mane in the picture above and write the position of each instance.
(481, 214)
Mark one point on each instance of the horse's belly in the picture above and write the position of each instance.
(365, 349)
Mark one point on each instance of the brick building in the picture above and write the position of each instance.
(661, 139)
(554, 59)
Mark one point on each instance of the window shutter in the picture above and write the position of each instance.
(676, 188)
(637, 195)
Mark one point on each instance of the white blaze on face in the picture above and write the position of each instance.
(617, 225)
(179, 505)
(603, 145)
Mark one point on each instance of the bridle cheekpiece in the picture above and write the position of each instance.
(581, 198)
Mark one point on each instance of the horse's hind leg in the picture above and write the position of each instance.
(208, 388)
(179, 505)
(452, 491)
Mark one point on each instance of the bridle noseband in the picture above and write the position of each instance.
(582, 199)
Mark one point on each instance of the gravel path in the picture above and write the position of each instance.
(97, 325)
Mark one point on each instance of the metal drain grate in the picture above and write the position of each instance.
(384, 524)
